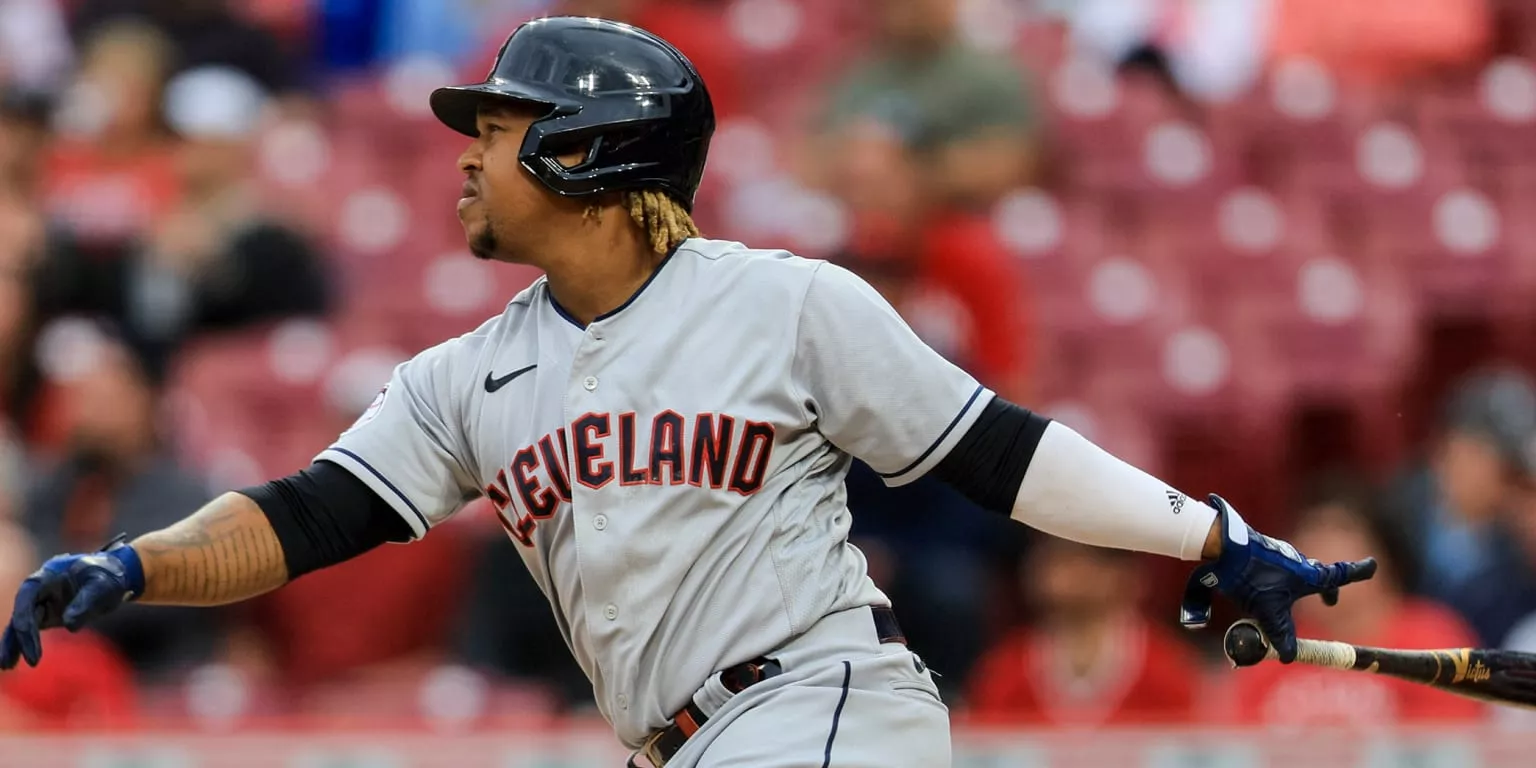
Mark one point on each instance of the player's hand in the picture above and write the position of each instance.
(1264, 576)
(69, 591)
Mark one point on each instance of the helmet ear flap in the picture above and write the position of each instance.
(594, 148)
(561, 152)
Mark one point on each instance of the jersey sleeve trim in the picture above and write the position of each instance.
(380, 485)
(944, 443)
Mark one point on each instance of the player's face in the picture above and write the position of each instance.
(506, 213)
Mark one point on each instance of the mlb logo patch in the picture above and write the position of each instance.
(372, 410)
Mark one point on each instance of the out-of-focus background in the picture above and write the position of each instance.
(1280, 249)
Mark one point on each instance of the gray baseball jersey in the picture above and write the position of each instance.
(672, 473)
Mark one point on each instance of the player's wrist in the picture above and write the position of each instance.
(132, 567)
(1213, 541)
(1230, 530)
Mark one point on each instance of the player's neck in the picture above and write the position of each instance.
(602, 273)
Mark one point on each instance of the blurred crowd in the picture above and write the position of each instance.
(1254, 246)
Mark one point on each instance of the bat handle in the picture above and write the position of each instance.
(1325, 653)
(1317, 653)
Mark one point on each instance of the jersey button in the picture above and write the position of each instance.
(623, 701)
(611, 612)
(590, 383)
(600, 522)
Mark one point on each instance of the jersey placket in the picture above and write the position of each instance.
(589, 407)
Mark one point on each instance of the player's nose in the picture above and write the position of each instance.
(469, 161)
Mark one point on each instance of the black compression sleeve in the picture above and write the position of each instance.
(987, 466)
(324, 515)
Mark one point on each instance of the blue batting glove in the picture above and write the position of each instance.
(69, 591)
(1265, 577)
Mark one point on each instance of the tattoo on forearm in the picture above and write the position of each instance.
(225, 553)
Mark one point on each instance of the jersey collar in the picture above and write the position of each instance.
(559, 310)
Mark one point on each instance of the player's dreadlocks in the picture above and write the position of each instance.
(662, 217)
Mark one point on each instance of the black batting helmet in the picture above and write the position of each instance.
(637, 99)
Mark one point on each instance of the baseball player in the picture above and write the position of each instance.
(663, 423)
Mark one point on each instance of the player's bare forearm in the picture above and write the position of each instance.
(225, 553)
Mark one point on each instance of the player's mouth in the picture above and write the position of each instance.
(470, 194)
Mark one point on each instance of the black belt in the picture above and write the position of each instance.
(665, 743)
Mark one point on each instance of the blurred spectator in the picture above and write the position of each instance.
(1448, 507)
(1339, 521)
(214, 260)
(218, 261)
(110, 174)
(964, 110)
(944, 270)
(35, 51)
(82, 683)
(505, 627)
(23, 133)
(1090, 658)
(1502, 594)
(202, 33)
(17, 243)
(118, 476)
(23, 136)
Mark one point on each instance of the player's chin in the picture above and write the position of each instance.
(474, 229)
(482, 241)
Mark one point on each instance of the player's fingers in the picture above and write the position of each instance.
(24, 620)
(91, 601)
(1358, 570)
(1330, 596)
(1199, 592)
(1272, 611)
(1331, 577)
(10, 649)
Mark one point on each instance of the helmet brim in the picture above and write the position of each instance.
(458, 106)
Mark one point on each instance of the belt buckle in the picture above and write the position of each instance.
(755, 671)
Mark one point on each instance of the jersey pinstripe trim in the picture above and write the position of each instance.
(945, 441)
(837, 716)
(353, 462)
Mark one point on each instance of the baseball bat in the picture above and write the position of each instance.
(1501, 677)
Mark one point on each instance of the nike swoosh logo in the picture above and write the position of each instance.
(492, 383)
